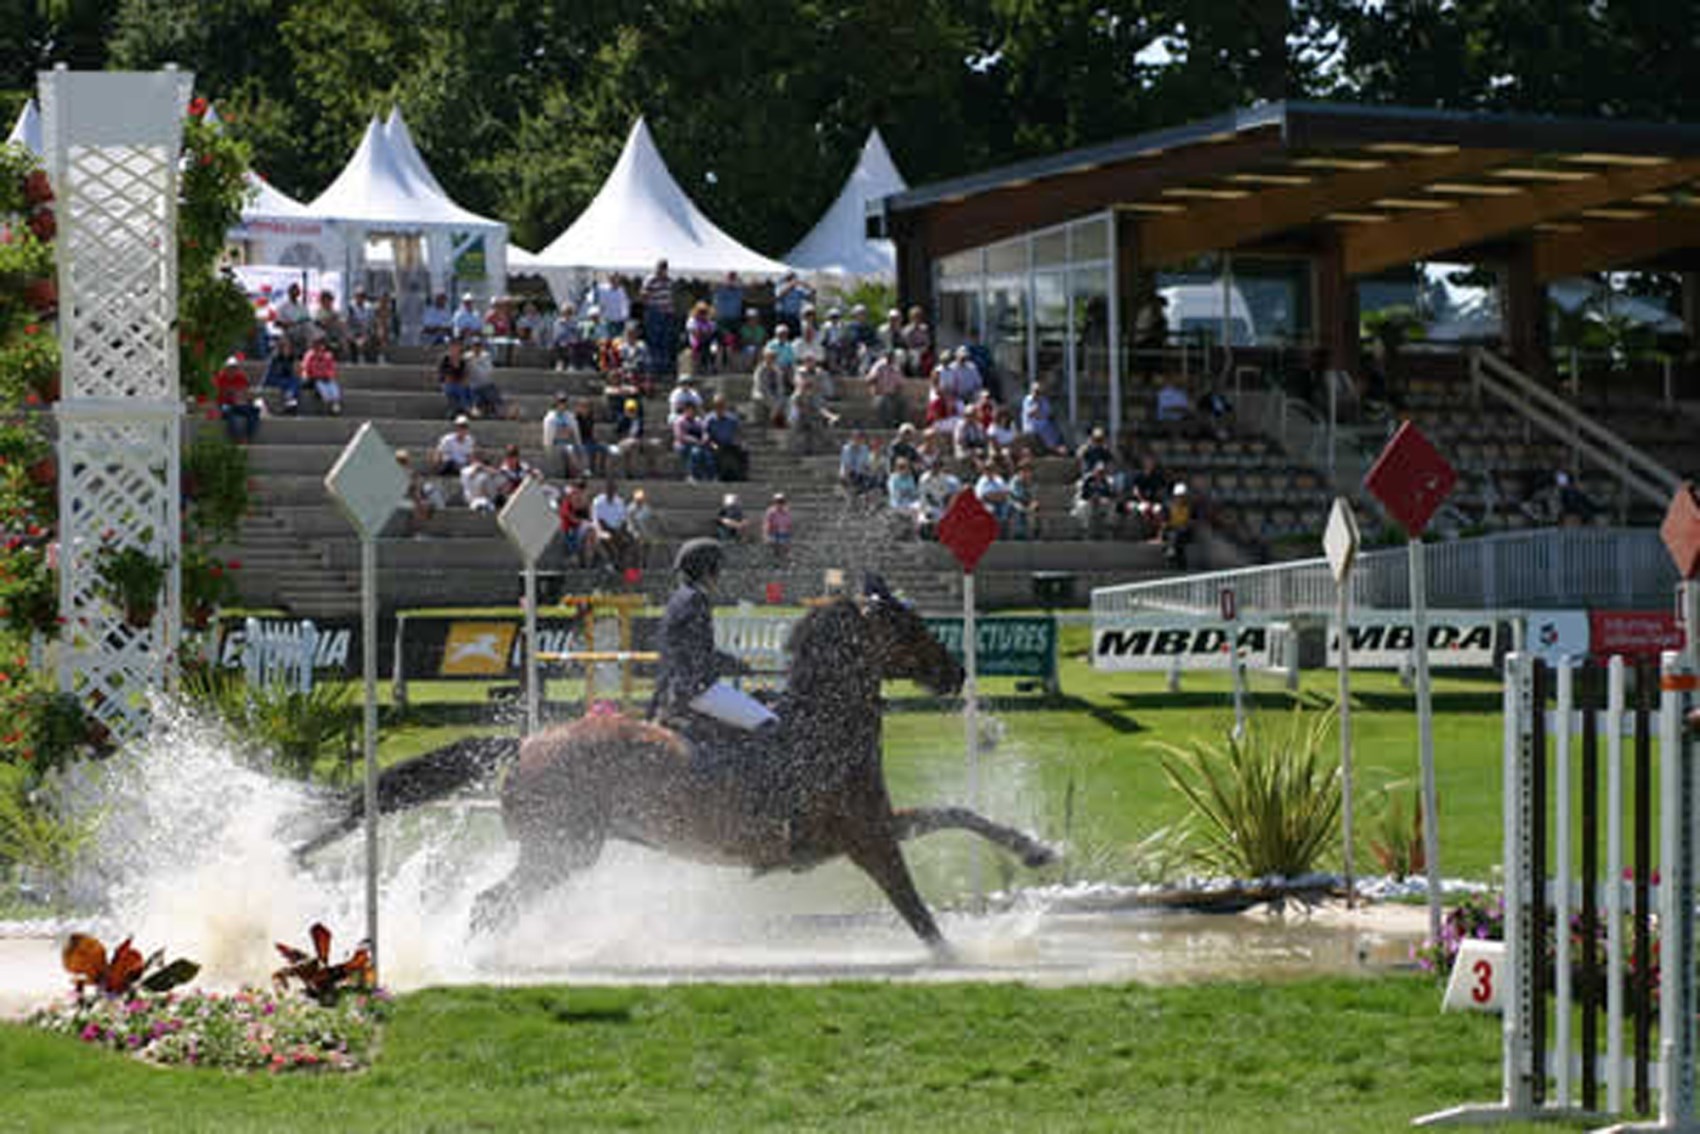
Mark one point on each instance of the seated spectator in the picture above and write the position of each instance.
(1218, 411)
(634, 360)
(905, 445)
(292, 319)
(318, 367)
(453, 379)
(611, 517)
(236, 401)
(962, 377)
(776, 530)
(487, 400)
(642, 523)
(595, 453)
(613, 303)
(891, 338)
(1037, 422)
(808, 350)
(1174, 408)
(752, 337)
(498, 320)
(729, 522)
(466, 321)
(532, 326)
(283, 374)
(1573, 505)
(361, 324)
(1023, 505)
(481, 484)
(856, 475)
(1148, 494)
(806, 416)
(690, 441)
(992, 490)
(1001, 434)
(561, 438)
(943, 410)
(701, 337)
(684, 394)
(1176, 534)
(631, 444)
(885, 383)
(968, 439)
(903, 496)
(578, 530)
(725, 440)
(768, 384)
(455, 449)
(565, 340)
(328, 325)
(590, 326)
(838, 343)
(511, 473)
(864, 339)
(918, 341)
(981, 357)
(436, 323)
(1095, 502)
(1095, 451)
(784, 350)
(424, 496)
(939, 487)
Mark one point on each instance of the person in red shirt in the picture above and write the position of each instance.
(318, 366)
(776, 530)
(236, 401)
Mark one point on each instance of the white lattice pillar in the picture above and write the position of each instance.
(112, 148)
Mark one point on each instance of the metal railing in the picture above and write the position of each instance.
(1640, 473)
(1544, 569)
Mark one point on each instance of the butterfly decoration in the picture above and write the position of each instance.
(86, 960)
(320, 979)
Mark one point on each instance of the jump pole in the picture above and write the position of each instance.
(368, 485)
(530, 525)
(1340, 543)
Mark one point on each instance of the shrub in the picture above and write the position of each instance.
(1264, 804)
(291, 729)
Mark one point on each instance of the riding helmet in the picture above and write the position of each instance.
(698, 559)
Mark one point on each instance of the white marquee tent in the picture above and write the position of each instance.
(386, 190)
(27, 129)
(639, 216)
(838, 244)
(277, 229)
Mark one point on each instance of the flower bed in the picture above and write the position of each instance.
(250, 1030)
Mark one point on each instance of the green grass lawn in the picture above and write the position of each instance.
(1336, 1054)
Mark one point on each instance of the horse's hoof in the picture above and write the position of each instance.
(944, 954)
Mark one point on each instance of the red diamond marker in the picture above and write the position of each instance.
(1681, 530)
(967, 529)
(1411, 478)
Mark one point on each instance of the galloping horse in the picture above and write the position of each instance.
(809, 791)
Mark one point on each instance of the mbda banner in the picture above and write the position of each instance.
(1162, 643)
(1456, 640)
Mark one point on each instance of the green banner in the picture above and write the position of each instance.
(470, 261)
(1008, 647)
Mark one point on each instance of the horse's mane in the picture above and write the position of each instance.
(829, 651)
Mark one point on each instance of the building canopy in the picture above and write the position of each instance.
(639, 216)
(839, 244)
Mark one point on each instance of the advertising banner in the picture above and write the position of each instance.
(1456, 640)
(1634, 633)
(1007, 647)
(1160, 642)
(1554, 635)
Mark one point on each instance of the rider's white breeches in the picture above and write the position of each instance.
(724, 703)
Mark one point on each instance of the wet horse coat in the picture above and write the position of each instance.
(810, 791)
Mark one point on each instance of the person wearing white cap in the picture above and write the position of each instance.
(455, 449)
(467, 321)
(1177, 526)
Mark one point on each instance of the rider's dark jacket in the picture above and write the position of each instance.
(689, 661)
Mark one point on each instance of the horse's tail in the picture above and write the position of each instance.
(419, 781)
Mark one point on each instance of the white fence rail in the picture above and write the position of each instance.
(1549, 568)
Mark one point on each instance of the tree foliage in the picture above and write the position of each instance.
(521, 108)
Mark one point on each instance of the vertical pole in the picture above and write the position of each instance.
(1534, 928)
(1237, 667)
(1344, 702)
(1676, 898)
(1645, 675)
(369, 664)
(1614, 886)
(1562, 877)
(531, 691)
(1425, 734)
(1590, 960)
(971, 708)
(1518, 1041)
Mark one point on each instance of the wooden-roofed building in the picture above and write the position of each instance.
(1285, 208)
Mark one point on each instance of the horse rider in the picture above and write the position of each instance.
(691, 668)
